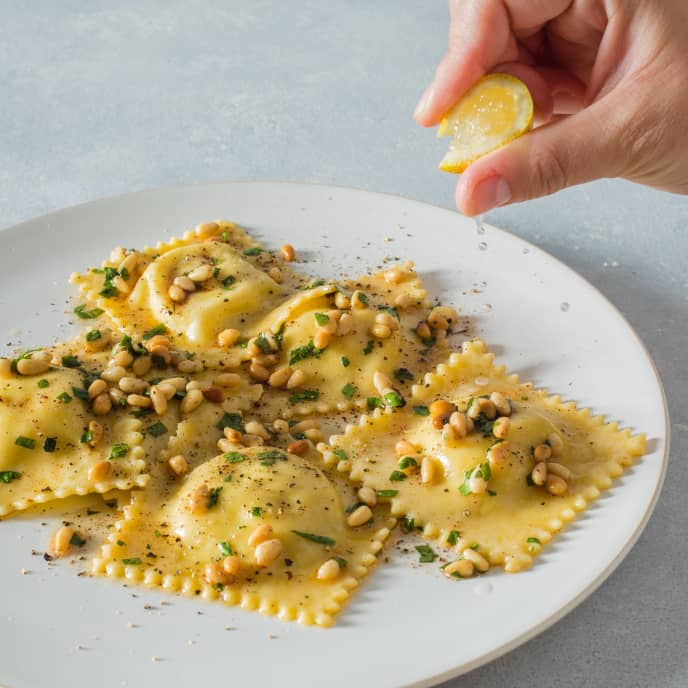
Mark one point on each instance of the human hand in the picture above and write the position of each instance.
(608, 79)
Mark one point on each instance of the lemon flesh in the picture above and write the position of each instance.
(496, 110)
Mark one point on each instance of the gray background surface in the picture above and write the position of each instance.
(100, 98)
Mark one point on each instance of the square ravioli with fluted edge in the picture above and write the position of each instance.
(484, 464)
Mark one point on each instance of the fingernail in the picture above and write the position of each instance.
(490, 193)
(423, 102)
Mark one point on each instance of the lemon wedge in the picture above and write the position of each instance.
(496, 110)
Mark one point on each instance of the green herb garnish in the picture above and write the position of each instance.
(374, 402)
(225, 548)
(407, 462)
(77, 540)
(322, 318)
(421, 410)
(235, 457)
(149, 334)
(270, 457)
(9, 476)
(156, 430)
(50, 444)
(86, 314)
(93, 335)
(349, 390)
(341, 561)
(453, 537)
(304, 395)
(426, 555)
(117, 451)
(86, 437)
(70, 361)
(341, 454)
(214, 496)
(345, 361)
(408, 524)
(233, 421)
(387, 494)
(64, 398)
(43, 383)
(25, 442)
(302, 352)
(256, 511)
(397, 476)
(389, 309)
(253, 251)
(228, 281)
(394, 399)
(319, 539)
(132, 561)
(403, 374)
(368, 348)
(80, 393)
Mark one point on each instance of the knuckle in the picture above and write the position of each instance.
(548, 172)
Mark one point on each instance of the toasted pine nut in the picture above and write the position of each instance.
(159, 399)
(227, 380)
(268, 551)
(216, 575)
(96, 388)
(441, 408)
(449, 432)
(404, 448)
(463, 567)
(556, 485)
(359, 516)
(141, 365)
(298, 377)
(233, 435)
(253, 427)
(231, 564)
(334, 315)
(303, 425)
(280, 426)
(502, 403)
(428, 469)
(117, 396)
(358, 300)
(539, 473)
(300, 447)
(287, 252)
(157, 341)
(280, 377)
(461, 424)
(322, 338)
(477, 483)
(275, 274)
(215, 395)
(176, 294)
(201, 274)
(228, 337)
(129, 263)
(178, 464)
(486, 407)
(423, 330)
(117, 255)
(345, 325)
(384, 318)
(329, 570)
(191, 401)
(478, 559)
(121, 358)
(498, 454)
(122, 286)
(382, 383)
(330, 327)
(179, 383)
(167, 390)
(393, 275)
(198, 501)
(5, 367)
(133, 385)
(32, 366)
(161, 352)
(260, 534)
(342, 301)
(61, 540)
(380, 331)
(183, 282)
(197, 384)
(556, 444)
(188, 366)
(113, 374)
(97, 432)
(501, 427)
(99, 471)
(206, 229)
(442, 317)
(542, 452)
(368, 496)
(101, 405)
(559, 469)
(314, 435)
(259, 372)
(138, 400)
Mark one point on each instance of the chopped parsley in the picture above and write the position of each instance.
(341, 454)
(341, 561)
(319, 539)
(425, 554)
(157, 429)
(389, 309)
(322, 318)
(77, 540)
(253, 251)
(407, 462)
(408, 524)
(214, 496)
(132, 561)
(256, 511)
(453, 537)
(228, 281)
(397, 476)
(50, 445)
(233, 421)
(86, 314)
(368, 348)
(304, 395)
(345, 361)
(533, 540)
(9, 476)
(421, 410)
(25, 442)
(93, 335)
(109, 289)
(394, 399)
(117, 451)
(403, 374)
(80, 393)
(387, 494)
(235, 457)
(225, 548)
(43, 383)
(363, 298)
(149, 334)
(87, 437)
(302, 352)
(270, 457)
(349, 390)
(70, 361)
(64, 398)
(262, 342)
(374, 402)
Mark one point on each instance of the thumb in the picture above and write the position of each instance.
(571, 150)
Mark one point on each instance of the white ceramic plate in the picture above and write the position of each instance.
(409, 625)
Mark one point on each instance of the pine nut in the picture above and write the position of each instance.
(298, 378)
(477, 483)
(198, 501)
(197, 384)
(501, 427)
(382, 383)
(334, 315)
(314, 435)
(201, 274)
(253, 427)
(287, 252)
(358, 300)
(227, 380)
(345, 325)
(228, 337)
(498, 454)
(206, 229)
(539, 473)
(359, 516)
(188, 366)
(275, 274)
(330, 327)
(477, 559)
(183, 282)
(179, 383)
(300, 447)
(178, 464)
(559, 469)
(463, 567)
(216, 575)
(233, 435)
(303, 425)
(167, 390)
(322, 338)
(556, 444)
(159, 340)
(161, 352)
(368, 496)
(267, 552)
(486, 407)
(556, 485)
(404, 448)
(280, 377)
(405, 300)
(96, 388)
(117, 255)
(231, 565)
(113, 374)
(61, 540)
(101, 405)
(191, 401)
(215, 395)
(176, 294)
(423, 330)
(329, 570)
(266, 360)
(130, 263)
(280, 426)
(342, 301)
(5, 367)
(133, 385)
(441, 408)
(141, 365)
(97, 432)
(259, 372)
(449, 433)
(384, 318)
(380, 331)
(542, 452)
(158, 399)
(502, 403)
(117, 396)
(32, 366)
(428, 469)
(461, 424)
(138, 401)
(442, 317)
(392, 276)
(260, 534)
(99, 471)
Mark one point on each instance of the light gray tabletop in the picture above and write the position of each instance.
(100, 98)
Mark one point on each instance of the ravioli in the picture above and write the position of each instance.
(510, 520)
(168, 539)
